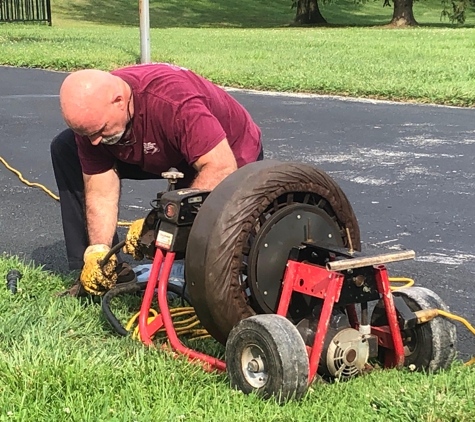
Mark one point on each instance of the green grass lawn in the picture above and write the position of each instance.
(236, 14)
(250, 45)
(60, 361)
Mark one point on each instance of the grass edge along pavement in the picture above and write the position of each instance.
(425, 65)
(59, 360)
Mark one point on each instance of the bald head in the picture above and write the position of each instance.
(92, 99)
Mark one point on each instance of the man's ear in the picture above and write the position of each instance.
(119, 101)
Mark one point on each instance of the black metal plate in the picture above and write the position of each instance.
(285, 229)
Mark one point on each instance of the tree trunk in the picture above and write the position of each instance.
(308, 12)
(403, 14)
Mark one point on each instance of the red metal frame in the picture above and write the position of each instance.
(395, 356)
(147, 330)
(317, 281)
(308, 279)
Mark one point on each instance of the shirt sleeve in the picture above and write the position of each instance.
(94, 159)
(197, 130)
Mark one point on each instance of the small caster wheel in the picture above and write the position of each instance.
(266, 354)
(429, 346)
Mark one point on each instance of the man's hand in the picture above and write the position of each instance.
(132, 238)
(97, 280)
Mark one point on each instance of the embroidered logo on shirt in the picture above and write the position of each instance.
(150, 148)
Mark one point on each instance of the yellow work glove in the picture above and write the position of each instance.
(95, 280)
(131, 246)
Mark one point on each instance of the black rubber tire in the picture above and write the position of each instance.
(221, 231)
(433, 344)
(283, 351)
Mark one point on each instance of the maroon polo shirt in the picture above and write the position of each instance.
(178, 117)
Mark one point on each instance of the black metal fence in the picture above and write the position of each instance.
(25, 11)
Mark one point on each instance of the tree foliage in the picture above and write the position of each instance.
(454, 10)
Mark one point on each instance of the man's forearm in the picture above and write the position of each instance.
(209, 177)
(102, 203)
(214, 166)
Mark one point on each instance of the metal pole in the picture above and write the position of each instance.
(346, 264)
(144, 31)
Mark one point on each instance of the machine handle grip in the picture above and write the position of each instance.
(346, 264)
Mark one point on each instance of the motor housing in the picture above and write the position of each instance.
(346, 351)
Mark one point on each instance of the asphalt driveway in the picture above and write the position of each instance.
(407, 169)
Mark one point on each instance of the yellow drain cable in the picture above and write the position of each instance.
(26, 182)
(460, 319)
(408, 282)
(428, 314)
(181, 327)
(39, 185)
(201, 333)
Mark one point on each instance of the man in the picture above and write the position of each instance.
(136, 123)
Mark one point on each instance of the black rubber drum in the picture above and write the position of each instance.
(241, 238)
